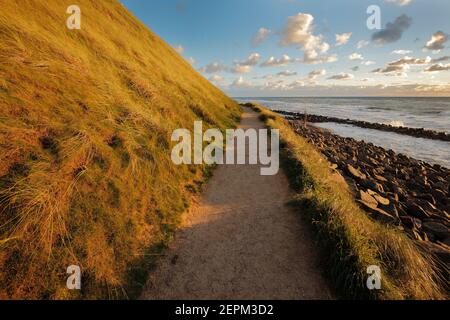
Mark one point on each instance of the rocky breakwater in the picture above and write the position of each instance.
(415, 132)
(392, 188)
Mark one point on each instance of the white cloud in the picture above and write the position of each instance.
(343, 38)
(216, 79)
(241, 83)
(395, 70)
(362, 44)
(410, 61)
(213, 68)
(370, 87)
(355, 56)
(444, 58)
(251, 60)
(296, 84)
(319, 60)
(245, 66)
(401, 52)
(393, 30)
(342, 76)
(399, 2)
(437, 42)
(400, 66)
(316, 73)
(179, 49)
(261, 36)
(281, 85)
(368, 63)
(298, 31)
(191, 60)
(432, 88)
(273, 62)
(241, 69)
(286, 73)
(438, 67)
(275, 85)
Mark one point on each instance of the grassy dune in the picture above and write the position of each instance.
(86, 118)
(351, 239)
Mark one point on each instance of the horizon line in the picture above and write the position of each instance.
(415, 97)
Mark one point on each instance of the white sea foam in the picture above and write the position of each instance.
(396, 123)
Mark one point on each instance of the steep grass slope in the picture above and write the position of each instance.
(86, 118)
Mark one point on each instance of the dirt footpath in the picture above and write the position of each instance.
(241, 242)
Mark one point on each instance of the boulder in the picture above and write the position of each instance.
(410, 222)
(446, 242)
(367, 206)
(391, 209)
(401, 193)
(428, 197)
(416, 235)
(381, 215)
(428, 236)
(439, 185)
(355, 173)
(393, 197)
(367, 198)
(380, 178)
(333, 165)
(427, 206)
(438, 229)
(402, 210)
(416, 211)
(439, 195)
(369, 184)
(376, 213)
(381, 200)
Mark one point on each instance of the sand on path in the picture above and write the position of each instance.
(241, 242)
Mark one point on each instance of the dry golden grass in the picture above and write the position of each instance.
(85, 123)
(353, 240)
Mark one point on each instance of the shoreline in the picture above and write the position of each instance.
(392, 188)
(414, 132)
(351, 238)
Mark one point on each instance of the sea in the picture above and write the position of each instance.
(427, 113)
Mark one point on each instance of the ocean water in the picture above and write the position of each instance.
(431, 151)
(428, 113)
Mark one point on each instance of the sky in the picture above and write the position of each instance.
(257, 48)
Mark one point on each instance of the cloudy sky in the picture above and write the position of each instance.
(309, 47)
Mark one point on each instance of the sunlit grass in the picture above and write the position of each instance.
(85, 123)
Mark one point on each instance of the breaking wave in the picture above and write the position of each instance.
(396, 123)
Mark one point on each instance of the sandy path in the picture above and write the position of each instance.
(241, 242)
